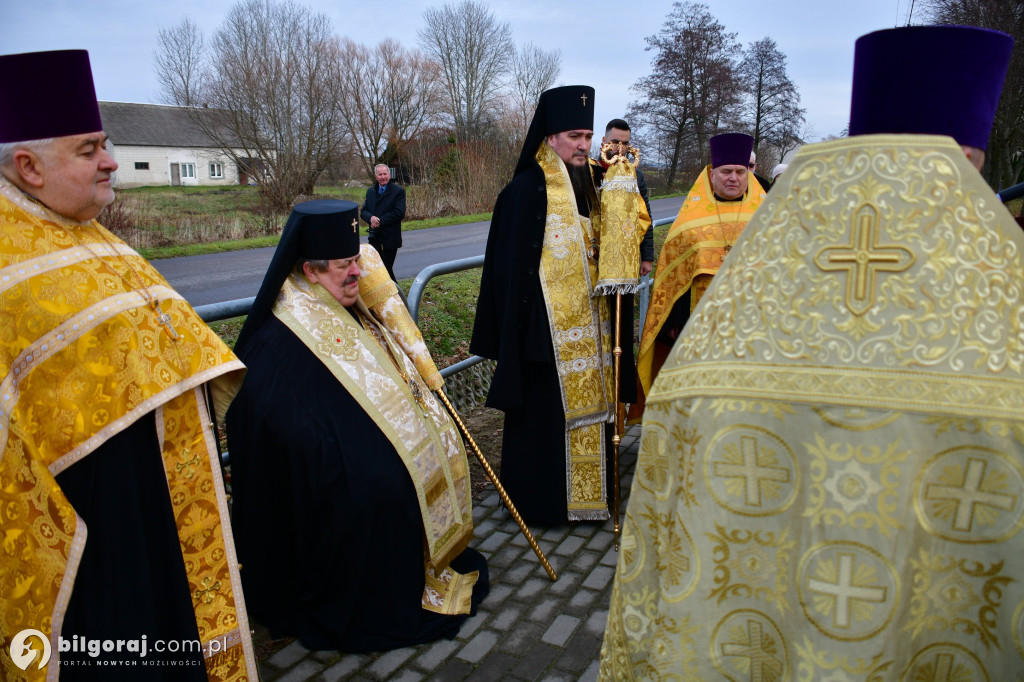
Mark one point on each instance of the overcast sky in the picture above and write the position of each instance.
(602, 41)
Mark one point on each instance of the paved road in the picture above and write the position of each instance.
(528, 628)
(216, 277)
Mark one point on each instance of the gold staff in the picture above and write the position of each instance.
(376, 288)
(497, 484)
(617, 438)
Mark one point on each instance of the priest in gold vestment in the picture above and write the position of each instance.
(831, 476)
(352, 501)
(717, 208)
(114, 522)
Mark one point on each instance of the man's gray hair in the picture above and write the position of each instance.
(381, 165)
(318, 264)
(7, 149)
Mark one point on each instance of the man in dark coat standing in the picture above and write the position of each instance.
(383, 211)
(537, 318)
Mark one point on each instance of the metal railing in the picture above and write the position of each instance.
(228, 309)
(213, 312)
(224, 310)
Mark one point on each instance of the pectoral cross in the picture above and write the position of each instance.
(355, 225)
(164, 320)
(584, 98)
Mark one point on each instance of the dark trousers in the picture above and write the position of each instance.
(388, 256)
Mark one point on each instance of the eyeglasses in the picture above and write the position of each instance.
(751, 165)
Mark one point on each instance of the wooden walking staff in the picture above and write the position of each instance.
(624, 220)
(380, 294)
(497, 485)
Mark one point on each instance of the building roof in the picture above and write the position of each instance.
(158, 125)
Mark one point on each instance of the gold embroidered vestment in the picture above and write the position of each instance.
(831, 476)
(83, 354)
(624, 222)
(581, 335)
(368, 361)
(700, 237)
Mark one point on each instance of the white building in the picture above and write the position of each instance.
(156, 144)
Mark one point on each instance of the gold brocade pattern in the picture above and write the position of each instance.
(624, 221)
(380, 294)
(831, 470)
(449, 592)
(701, 236)
(200, 508)
(416, 425)
(82, 356)
(957, 308)
(581, 332)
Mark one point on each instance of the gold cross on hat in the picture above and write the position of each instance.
(584, 98)
(355, 225)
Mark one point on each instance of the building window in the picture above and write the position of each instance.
(216, 170)
(188, 170)
(142, 165)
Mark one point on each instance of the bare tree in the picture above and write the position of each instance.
(1004, 159)
(272, 76)
(412, 94)
(771, 103)
(388, 95)
(693, 91)
(793, 143)
(473, 49)
(179, 61)
(533, 71)
(361, 102)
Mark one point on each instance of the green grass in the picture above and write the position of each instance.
(229, 329)
(178, 250)
(446, 314)
(681, 193)
(169, 222)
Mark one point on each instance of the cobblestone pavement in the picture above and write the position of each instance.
(528, 628)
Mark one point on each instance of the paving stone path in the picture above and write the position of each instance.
(528, 628)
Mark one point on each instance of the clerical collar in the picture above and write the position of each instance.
(739, 198)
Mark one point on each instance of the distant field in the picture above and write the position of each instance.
(166, 222)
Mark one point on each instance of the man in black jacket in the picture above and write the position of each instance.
(383, 211)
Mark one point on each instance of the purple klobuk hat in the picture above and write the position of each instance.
(731, 149)
(58, 89)
(929, 80)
